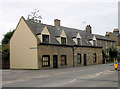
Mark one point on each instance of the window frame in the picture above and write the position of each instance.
(94, 57)
(62, 42)
(78, 43)
(63, 60)
(46, 61)
(79, 60)
(94, 42)
(43, 38)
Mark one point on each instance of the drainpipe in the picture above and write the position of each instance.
(73, 48)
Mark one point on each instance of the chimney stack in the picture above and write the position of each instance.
(107, 34)
(57, 23)
(116, 31)
(89, 29)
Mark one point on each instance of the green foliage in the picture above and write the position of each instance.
(108, 59)
(0, 48)
(5, 51)
(5, 45)
(7, 37)
(113, 52)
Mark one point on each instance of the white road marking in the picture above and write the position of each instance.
(105, 72)
(62, 83)
(73, 80)
(99, 73)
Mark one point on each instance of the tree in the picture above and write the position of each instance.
(34, 16)
(5, 45)
(7, 37)
(113, 52)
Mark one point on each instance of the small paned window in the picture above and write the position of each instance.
(63, 40)
(45, 61)
(63, 60)
(78, 58)
(45, 38)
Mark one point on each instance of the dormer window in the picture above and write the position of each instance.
(94, 42)
(63, 40)
(77, 38)
(45, 38)
(78, 41)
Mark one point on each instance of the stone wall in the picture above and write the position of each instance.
(68, 51)
(112, 36)
(109, 44)
(89, 52)
(55, 50)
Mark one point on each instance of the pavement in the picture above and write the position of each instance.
(101, 75)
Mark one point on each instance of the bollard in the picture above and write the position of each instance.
(115, 64)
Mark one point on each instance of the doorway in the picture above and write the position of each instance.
(85, 60)
(55, 61)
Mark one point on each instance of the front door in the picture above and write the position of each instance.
(85, 60)
(103, 60)
(55, 61)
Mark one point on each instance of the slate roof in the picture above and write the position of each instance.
(118, 35)
(70, 32)
(100, 37)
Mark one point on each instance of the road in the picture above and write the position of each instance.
(102, 75)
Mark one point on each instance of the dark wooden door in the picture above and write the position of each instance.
(85, 60)
(103, 60)
(55, 61)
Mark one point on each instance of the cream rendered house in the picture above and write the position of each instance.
(23, 48)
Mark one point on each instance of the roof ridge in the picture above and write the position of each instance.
(72, 28)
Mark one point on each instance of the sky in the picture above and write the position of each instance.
(102, 15)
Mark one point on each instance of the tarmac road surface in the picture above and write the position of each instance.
(101, 75)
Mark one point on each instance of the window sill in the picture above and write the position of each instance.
(45, 66)
(79, 63)
(63, 64)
